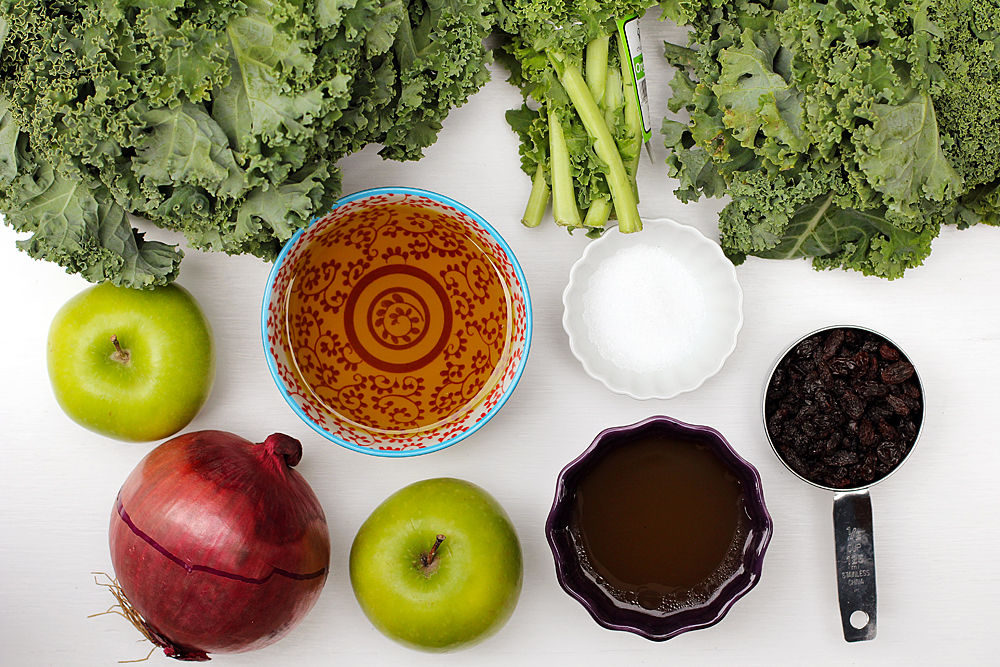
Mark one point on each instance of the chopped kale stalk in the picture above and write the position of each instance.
(579, 126)
(843, 132)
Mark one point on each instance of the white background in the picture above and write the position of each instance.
(938, 553)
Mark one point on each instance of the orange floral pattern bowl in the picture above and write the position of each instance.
(398, 323)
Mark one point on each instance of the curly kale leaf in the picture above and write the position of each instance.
(814, 220)
(761, 109)
(901, 155)
(184, 144)
(220, 120)
(843, 133)
(442, 62)
(966, 88)
(863, 240)
(419, 60)
(77, 225)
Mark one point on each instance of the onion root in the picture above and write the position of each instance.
(124, 609)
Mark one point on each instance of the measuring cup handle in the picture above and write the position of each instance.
(852, 530)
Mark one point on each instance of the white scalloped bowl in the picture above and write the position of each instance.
(720, 311)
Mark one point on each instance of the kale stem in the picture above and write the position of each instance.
(613, 97)
(620, 182)
(633, 117)
(597, 67)
(538, 200)
(564, 208)
(597, 214)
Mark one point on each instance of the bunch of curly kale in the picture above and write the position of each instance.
(846, 132)
(222, 120)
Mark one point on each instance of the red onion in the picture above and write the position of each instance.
(217, 544)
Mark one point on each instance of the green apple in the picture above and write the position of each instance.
(438, 565)
(131, 364)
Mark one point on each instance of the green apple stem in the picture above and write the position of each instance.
(119, 355)
(427, 558)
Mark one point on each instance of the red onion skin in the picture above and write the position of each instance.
(218, 543)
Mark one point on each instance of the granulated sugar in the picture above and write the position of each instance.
(644, 309)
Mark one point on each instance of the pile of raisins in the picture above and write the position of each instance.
(843, 407)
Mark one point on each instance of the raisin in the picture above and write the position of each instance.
(890, 453)
(824, 373)
(852, 405)
(832, 343)
(817, 448)
(807, 348)
(825, 425)
(872, 371)
(841, 459)
(868, 390)
(795, 462)
(888, 352)
(825, 401)
(883, 469)
(778, 380)
(879, 411)
(808, 411)
(863, 361)
(866, 433)
(866, 472)
(842, 366)
(897, 372)
(887, 431)
(812, 384)
(898, 404)
(775, 422)
(837, 478)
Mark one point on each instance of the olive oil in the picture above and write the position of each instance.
(659, 521)
(398, 319)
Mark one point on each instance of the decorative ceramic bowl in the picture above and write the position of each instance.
(742, 566)
(706, 279)
(397, 324)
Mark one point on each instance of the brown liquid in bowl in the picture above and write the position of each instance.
(397, 319)
(658, 516)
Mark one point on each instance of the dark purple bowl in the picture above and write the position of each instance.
(574, 575)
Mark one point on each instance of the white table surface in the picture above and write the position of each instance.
(936, 537)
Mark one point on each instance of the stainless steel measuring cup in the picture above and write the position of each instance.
(852, 512)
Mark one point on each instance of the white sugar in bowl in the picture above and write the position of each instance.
(655, 313)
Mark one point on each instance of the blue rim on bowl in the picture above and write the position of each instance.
(440, 436)
(657, 626)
